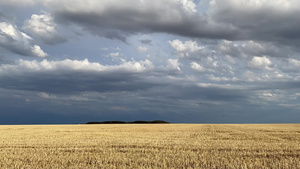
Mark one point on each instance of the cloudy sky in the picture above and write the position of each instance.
(201, 61)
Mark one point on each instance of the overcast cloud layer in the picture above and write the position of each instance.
(208, 61)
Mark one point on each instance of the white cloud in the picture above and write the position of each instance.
(272, 95)
(188, 5)
(252, 77)
(80, 97)
(37, 51)
(11, 31)
(18, 42)
(260, 63)
(174, 65)
(265, 95)
(47, 95)
(230, 50)
(116, 57)
(296, 106)
(40, 24)
(262, 76)
(220, 79)
(195, 66)
(222, 86)
(295, 96)
(142, 49)
(229, 59)
(185, 49)
(44, 28)
(252, 46)
(294, 62)
(115, 54)
(74, 65)
(189, 46)
(289, 65)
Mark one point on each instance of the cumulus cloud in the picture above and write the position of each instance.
(190, 46)
(142, 49)
(15, 41)
(250, 48)
(197, 67)
(185, 49)
(229, 57)
(210, 55)
(43, 27)
(294, 62)
(233, 61)
(116, 57)
(74, 76)
(37, 51)
(261, 63)
(73, 65)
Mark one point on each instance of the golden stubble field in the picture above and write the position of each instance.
(150, 146)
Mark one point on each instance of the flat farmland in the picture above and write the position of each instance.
(150, 146)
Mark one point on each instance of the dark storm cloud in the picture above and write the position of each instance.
(116, 19)
(5, 60)
(1, 59)
(227, 19)
(263, 20)
(146, 41)
(74, 82)
(200, 93)
(88, 89)
(2, 15)
(259, 20)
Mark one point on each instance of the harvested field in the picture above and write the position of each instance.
(150, 146)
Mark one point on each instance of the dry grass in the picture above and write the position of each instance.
(150, 146)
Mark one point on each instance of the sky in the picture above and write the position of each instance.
(183, 61)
